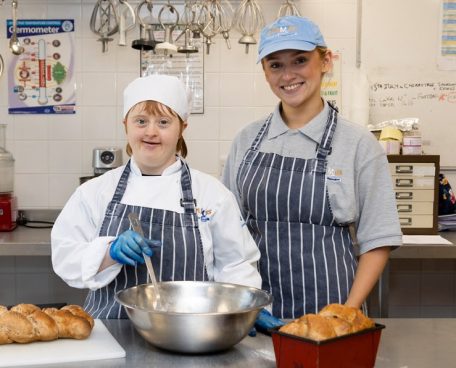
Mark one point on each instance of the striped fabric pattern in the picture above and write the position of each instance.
(307, 259)
(180, 258)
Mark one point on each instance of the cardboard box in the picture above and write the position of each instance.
(412, 150)
(391, 147)
(358, 350)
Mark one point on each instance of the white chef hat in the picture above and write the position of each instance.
(166, 89)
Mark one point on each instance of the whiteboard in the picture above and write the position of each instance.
(430, 99)
(400, 51)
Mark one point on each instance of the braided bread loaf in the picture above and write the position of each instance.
(25, 323)
(332, 321)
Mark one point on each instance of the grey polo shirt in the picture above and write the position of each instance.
(358, 179)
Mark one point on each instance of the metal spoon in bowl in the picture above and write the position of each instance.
(136, 225)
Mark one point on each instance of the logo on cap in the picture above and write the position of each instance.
(282, 31)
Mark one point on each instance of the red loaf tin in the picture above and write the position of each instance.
(358, 350)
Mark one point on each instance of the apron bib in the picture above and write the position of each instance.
(180, 258)
(307, 259)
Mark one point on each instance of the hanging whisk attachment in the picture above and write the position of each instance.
(248, 20)
(103, 21)
(288, 8)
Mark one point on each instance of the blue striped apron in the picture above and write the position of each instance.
(307, 259)
(181, 256)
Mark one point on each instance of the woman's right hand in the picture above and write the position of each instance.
(128, 248)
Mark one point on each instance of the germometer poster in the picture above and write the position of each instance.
(41, 79)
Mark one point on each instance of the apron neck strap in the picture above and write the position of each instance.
(324, 148)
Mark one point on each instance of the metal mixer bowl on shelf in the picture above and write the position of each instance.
(196, 316)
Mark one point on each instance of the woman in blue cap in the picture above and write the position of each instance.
(310, 184)
(192, 224)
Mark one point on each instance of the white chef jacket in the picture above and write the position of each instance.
(230, 252)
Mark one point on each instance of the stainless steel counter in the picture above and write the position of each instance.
(412, 343)
(25, 241)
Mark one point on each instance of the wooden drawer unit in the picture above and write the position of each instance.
(416, 184)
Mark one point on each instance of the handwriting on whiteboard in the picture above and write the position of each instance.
(385, 95)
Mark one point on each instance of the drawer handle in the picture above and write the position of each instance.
(404, 208)
(404, 195)
(404, 183)
(404, 221)
(404, 169)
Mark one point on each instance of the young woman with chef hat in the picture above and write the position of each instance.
(192, 223)
(311, 184)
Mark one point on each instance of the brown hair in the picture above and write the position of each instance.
(156, 108)
(322, 51)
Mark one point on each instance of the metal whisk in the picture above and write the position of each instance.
(288, 8)
(248, 19)
(103, 21)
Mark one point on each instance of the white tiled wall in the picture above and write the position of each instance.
(52, 152)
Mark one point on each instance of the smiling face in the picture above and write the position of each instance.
(153, 132)
(295, 76)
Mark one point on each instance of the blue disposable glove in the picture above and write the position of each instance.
(128, 248)
(264, 322)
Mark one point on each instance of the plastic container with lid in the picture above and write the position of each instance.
(6, 164)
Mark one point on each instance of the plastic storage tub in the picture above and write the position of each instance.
(357, 350)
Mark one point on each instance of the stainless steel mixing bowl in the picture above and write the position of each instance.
(197, 317)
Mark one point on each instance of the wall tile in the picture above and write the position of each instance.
(99, 89)
(65, 157)
(31, 157)
(204, 156)
(31, 127)
(236, 89)
(233, 120)
(211, 90)
(237, 60)
(94, 60)
(99, 123)
(32, 196)
(68, 127)
(61, 187)
(204, 126)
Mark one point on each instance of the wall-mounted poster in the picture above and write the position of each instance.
(41, 80)
(331, 86)
(446, 59)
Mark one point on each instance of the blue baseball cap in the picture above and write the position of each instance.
(289, 33)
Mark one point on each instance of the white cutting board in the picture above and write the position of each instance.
(99, 345)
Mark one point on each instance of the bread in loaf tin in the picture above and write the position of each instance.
(332, 321)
